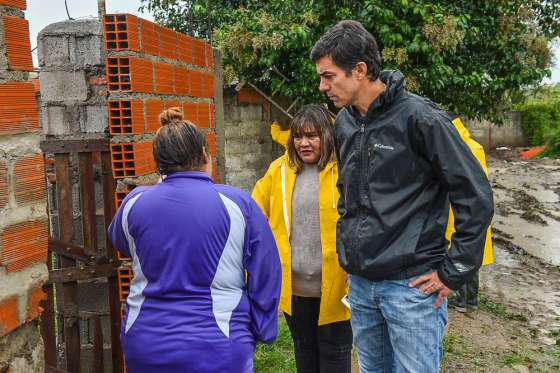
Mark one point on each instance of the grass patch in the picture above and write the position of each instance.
(499, 309)
(516, 359)
(278, 356)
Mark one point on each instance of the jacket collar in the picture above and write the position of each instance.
(197, 175)
(394, 87)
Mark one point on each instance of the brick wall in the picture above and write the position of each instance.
(23, 219)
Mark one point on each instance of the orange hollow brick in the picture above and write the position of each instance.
(132, 159)
(167, 42)
(182, 81)
(199, 53)
(153, 110)
(18, 108)
(130, 74)
(165, 78)
(9, 315)
(185, 48)
(121, 32)
(173, 103)
(208, 84)
(150, 38)
(29, 175)
(197, 83)
(21, 4)
(24, 244)
(18, 45)
(126, 117)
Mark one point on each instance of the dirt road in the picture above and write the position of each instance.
(518, 326)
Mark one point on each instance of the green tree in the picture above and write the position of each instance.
(472, 57)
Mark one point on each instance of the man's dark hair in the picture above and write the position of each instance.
(179, 145)
(348, 43)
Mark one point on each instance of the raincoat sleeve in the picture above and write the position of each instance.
(261, 193)
(470, 195)
(264, 276)
(278, 135)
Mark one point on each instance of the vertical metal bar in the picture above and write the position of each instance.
(87, 201)
(98, 358)
(114, 302)
(69, 289)
(219, 114)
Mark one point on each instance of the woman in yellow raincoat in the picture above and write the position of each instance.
(468, 294)
(298, 196)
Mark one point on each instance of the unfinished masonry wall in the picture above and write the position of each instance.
(249, 149)
(23, 214)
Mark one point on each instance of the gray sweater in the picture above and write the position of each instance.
(305, 239)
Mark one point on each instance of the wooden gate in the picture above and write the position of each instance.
(86, 163)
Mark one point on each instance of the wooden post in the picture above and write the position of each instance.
(70, 289)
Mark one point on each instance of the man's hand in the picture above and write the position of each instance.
(431, 284)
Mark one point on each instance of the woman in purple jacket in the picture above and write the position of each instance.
(206, 268)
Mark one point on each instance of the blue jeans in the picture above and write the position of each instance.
(396, 328)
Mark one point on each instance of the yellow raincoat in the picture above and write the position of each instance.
(478, 152)
(273, 193)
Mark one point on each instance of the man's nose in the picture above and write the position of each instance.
(323, 87)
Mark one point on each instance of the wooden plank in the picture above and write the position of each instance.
(69, 290)
(109, 186)
(72, 274)
(98, 358)
(47, 321)
(75, 252)
(74, 146)
(87, 200)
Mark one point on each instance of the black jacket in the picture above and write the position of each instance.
(400, 167)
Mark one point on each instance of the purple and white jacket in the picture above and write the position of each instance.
(206, 276)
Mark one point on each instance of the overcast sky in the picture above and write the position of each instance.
(41, 13)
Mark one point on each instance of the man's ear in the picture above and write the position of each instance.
(360, 70)
(207, 156)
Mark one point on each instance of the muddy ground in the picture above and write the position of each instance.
(517, 328)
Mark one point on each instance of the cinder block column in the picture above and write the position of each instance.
(23, 213)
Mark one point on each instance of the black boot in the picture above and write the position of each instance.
(472, 292)
(459, 301)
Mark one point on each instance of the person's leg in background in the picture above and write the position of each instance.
(303, 328)
(472, 291)
(335, 347)
(369, 329)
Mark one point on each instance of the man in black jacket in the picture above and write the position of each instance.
(401, 162)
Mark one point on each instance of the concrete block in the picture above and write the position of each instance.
(88, 51)
(53, 51)
(63, 86)
(96, 120)
(73, 27)
(54, 121)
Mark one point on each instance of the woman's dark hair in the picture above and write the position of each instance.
(348, 43)
(179, 145)
(317, 119)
